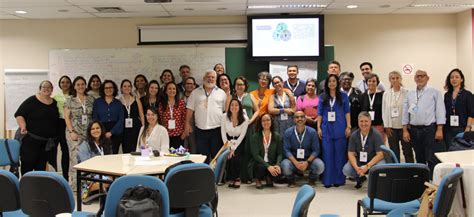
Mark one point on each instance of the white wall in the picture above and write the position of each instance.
(388, 41)
(464, 46)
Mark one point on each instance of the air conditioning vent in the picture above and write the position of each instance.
(157, 1)
(109, 9)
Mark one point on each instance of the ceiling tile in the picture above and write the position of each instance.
(284, 10)
(429, 10)
(208, 13)
(205, 7)
(252, 2)
(136, 14)
(49, 12)
(107, 2)
(381, 5)
(127, 8)
(32, 3)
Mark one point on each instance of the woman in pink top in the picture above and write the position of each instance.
(308, 103)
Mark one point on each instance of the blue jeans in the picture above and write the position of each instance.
(316, 168)
(349, 171)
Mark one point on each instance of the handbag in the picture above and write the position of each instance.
(427, 200)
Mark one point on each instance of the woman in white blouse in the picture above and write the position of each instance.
(233, 129)
(153, 135)
(392, 105)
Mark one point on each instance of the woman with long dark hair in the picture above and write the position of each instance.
(459, 105)
(64, 84)
(334, 127)
(93, 86)
(152, 97)
(95, 144)
(140, 82)
(134, 117)
(233, 130)
(172, 113)
(153, 135)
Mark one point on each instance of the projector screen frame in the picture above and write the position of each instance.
(250, 42)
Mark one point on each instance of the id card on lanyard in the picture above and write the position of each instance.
(363, 153)
(371, 104)
(332, 113)
(283, 116)
(100, 149)
(300, 150)
(128, 120)
(171, 121)
(454, 119)
(394, 111)
(84, 118)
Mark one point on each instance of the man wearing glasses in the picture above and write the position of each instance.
(423, 117)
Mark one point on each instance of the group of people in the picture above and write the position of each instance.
(281, 129)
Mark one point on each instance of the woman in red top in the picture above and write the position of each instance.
(172, 111)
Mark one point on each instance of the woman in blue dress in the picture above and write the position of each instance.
(334, 126)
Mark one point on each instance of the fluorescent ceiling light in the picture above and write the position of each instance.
(20, 12)
(440, 5)
(352, 6)
(286, 6)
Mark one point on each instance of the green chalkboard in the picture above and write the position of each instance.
(237, 63)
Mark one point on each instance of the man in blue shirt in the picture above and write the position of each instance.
(301, 149)
(423, 118)
(296, 85)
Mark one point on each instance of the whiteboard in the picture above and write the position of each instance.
(125, 63)
(19, 85)
(306, 69)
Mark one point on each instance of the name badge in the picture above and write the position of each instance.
(413, 108)
(395, 112)
(284, 116)
(363, 157)
(331, 116)
(300, 153)
(128, 123)
(84, 119)
(372, 115)
(171, 124)
(454, 120)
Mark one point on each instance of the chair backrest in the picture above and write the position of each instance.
(10, 197)
(389, 155)
(120, 185)
(45, 194)
(220, 166)
(397, 182)
(190, 186)
(14, 146)
(303, 200)
(446, 191)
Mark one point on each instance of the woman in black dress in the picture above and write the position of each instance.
(134, 117)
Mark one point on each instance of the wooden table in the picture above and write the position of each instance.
(118, 165)
(460, 157)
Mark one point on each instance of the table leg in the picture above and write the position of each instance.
(79, 191)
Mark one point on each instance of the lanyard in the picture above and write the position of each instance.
(83, 105)
(100, 149)
(453, 102)
(171, 111)
(266, 144)
(282, 100)
(331, 102)
(205, 92)
(293, 89)
(371, 100)
(395, 96)
(300, 141)
(418, 95)
(127, 105)
(363, 140)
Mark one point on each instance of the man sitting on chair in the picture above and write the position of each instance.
(301, 148)
(363, 151)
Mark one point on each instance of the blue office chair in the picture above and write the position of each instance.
(10, 198)
(303, 200)
(47, 194)
(218, 174)
(389, 155)
(191, 187)
(120, 185)
(14, 147)
(392, 186)
(444, 196)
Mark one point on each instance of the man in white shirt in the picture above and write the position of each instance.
(366, 70)
(206, 104)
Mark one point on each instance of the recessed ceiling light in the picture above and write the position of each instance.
(221, 9)
(189, 9)
(287, 6)
(352, 6)
(384, 6)
(20, 12)
(63, 10)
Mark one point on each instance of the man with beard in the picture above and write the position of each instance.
(366, 70)
(296, 85)
(206, 104)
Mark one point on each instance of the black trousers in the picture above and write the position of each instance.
(64, 149)
(394, 142)
(176, 141)
(233, 164)
(261, 172)
(116, 139)
(208, 142)
(129, 139)
(32, 155)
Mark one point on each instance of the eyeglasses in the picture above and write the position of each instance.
(299, 117)
(46, 87)
(240, 84)
(420, 76)
(108, 88)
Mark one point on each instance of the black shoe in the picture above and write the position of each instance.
(291, 184)
(327, 186)
(312, 182)
(360, 181)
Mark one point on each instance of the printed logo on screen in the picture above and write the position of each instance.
(282, 33)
